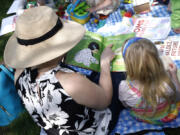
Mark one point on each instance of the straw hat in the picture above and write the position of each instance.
(40, 36)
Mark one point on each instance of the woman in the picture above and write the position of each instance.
(59, 100)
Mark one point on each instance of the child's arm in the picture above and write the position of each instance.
(173, 73)
(100, 6)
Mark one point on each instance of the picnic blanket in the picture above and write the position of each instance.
(127, 124)
(115, 18)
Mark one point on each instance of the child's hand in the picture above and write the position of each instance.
(172, 70)
(107, 55)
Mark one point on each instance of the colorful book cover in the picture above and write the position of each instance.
(153, 28)
(170, 48)
(88, 51)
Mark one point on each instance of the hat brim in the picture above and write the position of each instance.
(20, 56)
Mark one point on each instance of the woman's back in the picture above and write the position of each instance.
(54, 109)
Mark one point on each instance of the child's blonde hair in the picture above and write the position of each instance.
(144, 64)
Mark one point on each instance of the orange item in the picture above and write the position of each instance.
(102, 17)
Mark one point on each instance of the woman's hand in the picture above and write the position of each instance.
(107, 56)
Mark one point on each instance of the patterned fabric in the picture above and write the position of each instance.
(127, 124)
(164, 112)
(54, 110)
(115, 17)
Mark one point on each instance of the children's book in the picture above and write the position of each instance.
(8, 24)
(153, 28)
(169, 47)
(86, 54)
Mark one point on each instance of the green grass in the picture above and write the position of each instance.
(4, 6)
(3, 40)
(23, 125)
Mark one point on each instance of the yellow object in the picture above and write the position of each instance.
(96, 20)
(81, 21)
(127, 1)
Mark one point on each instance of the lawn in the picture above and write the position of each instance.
(4, 6)
(24, 125)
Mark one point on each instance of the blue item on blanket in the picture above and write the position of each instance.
(127, 124)
(101, 23)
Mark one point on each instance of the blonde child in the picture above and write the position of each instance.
(149, 90)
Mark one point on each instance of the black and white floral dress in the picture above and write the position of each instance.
(54, 110)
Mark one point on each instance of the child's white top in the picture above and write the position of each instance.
(131, 98)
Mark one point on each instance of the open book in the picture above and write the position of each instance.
(88, 51)
(171, 48)
(8, 24)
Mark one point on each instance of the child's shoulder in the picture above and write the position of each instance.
(123, 84)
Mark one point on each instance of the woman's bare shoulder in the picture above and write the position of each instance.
(82, 90)
(72, 80)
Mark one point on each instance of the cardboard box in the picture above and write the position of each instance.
(142, 8)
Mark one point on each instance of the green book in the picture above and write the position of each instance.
(86, 54)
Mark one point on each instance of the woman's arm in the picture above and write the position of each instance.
(105, 77)
(100, 6)
(87, 93)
